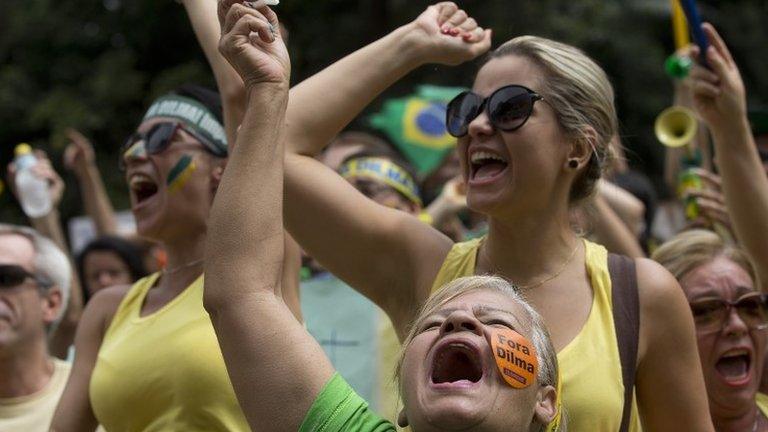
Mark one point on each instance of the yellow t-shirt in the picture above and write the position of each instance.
(590, 368)
(34, 413)
(163, 371)
(762, 403)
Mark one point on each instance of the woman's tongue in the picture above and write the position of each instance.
(733, 368)
(489, 169)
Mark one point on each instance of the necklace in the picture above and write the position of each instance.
(546, 279)
(183, 266)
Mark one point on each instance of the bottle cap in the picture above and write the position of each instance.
(22, 149)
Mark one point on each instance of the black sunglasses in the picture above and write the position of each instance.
(159, 137)
(508, 109)
(12, 276)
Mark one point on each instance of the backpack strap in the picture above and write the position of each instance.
(626, 319)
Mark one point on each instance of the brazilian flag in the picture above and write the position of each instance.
(416, 125)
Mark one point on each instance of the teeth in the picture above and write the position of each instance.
(137, 179)
(481, 156)
(735, 353)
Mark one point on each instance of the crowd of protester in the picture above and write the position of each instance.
(288, 273)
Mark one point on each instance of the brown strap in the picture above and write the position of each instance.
(626, 319)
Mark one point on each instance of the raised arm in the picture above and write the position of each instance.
(720, 99)
(62, 335)
(350, 84)
(389, 256)
(202, 16)
(80, 158)
(611, 231)
(244, 253)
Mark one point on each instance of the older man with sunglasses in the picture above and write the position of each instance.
(34, 283)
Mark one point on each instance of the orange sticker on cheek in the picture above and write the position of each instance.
(515, 356)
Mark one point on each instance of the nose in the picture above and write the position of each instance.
(105, 279)
(734, 324)
(137, 152)
(460, 321)
(480, 125)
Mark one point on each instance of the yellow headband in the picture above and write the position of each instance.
(384, 171)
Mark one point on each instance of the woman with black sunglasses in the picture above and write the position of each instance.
(533, 139)
(147, 357)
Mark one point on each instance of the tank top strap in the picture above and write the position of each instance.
(460, 261)
(130, 306)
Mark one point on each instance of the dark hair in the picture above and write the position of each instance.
(209, 98)
(128, 252)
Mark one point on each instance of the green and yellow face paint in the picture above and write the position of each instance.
(137, 150)
(180, 173)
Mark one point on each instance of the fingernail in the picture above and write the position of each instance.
(455, 32)
(446, 28)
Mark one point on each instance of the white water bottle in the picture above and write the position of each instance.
(32, 191)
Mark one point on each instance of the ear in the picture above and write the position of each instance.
(546, 405)
(50, 301)
(402, 419)
(582, 148)
(217, 173)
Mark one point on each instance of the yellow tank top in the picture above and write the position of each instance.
(762, 403)
(163, 371)
(590, 369)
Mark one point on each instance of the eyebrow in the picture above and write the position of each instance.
(482, 310)
(741, 291)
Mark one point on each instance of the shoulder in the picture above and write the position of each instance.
(101, 308)
(656, 286)
(664, 310)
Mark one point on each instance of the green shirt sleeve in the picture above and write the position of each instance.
(339, 409)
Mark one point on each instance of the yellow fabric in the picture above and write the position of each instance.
(163, 371)
(33, 413)
(762, 403)
(590, 369)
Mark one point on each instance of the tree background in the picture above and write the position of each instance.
(96, 65)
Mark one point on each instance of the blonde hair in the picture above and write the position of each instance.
(545, 351)
(579, 92)
(691, 249)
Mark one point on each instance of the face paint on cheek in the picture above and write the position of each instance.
(515, 357)
(137, 150)
(180, 173)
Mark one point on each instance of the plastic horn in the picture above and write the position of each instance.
(694, 21)
(676, 126)
(679, 26)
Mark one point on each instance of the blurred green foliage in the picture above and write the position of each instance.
(95, 65)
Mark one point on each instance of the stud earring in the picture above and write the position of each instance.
(573, 164)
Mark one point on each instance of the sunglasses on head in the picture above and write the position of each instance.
(711, 315)
(14, 275)
(159, 137)
(508, 109)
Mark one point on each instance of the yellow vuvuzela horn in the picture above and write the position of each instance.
(676, 126)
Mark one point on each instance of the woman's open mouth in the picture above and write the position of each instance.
(142, 187)
(734, 367)
(456, 364)
(485, 166)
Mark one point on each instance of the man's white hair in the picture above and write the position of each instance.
(49, 262)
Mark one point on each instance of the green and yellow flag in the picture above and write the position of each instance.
(416, 125)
